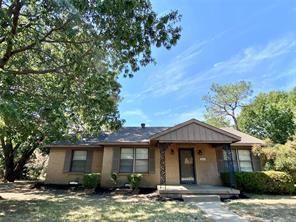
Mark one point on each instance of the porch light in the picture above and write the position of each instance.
(172, 151)
(199, 152)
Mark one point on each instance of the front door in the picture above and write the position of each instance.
(187, 166)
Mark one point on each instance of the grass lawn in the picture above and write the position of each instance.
(266, 208)
(23, 204)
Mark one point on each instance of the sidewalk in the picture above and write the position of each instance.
(218, 212)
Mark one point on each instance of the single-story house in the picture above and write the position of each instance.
(192, 152)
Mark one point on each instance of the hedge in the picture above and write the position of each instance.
(268, 182)
(91, 180)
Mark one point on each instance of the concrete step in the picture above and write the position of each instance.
(201, 198)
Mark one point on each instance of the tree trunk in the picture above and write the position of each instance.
(13, 167)
(8, 162)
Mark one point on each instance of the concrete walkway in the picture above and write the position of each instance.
(218, 212)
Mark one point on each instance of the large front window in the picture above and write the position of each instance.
(134, 160)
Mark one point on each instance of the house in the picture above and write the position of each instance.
(189, 153)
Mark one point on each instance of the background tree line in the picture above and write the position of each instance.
(269, 116)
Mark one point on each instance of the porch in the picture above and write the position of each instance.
(178, 191)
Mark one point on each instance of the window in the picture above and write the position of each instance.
(241, 160)
(134, 160)
(78, 161)
(235, 165)
(245, 162)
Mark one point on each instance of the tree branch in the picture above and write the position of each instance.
(15, 18)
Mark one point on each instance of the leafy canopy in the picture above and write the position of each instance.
(271, 115)
(59, 65)
(39, 36)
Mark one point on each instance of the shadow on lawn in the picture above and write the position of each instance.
(76, 208)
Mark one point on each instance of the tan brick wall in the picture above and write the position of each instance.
(55, 169)
(148, 180)
(205, 169)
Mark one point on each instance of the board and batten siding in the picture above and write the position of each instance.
(194, 132)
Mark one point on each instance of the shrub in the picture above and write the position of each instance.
(269, 182)
(134, 180)
(91, 180)
(114, 178)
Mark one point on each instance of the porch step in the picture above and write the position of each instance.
(201, 198)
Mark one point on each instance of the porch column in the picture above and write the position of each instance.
(162, 149)
(230, 164)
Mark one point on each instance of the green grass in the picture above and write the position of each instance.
(46, 206)
(266, 208)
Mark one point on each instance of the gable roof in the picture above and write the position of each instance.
(246, 139)
(195, 131)
(189, 131)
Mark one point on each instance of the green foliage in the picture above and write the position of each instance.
(114, 178)
(91, 180)
(134, 180)
(278, 157)
(224, 101)
(59, 68)
(271, 115)
(217, 121)
(268, 182)
(58, 36)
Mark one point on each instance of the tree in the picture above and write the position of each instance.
(270, 115)
(59, 65)
(40, 36)
(217, 121)
(224, 101)
(281, 157)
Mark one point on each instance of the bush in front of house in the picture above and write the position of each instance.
(134, 180)
(114, 178)
(269, 182)
(91, 180)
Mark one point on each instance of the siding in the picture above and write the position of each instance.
(196, 133)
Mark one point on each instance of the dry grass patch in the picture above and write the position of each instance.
(266, 208)
(51, 206)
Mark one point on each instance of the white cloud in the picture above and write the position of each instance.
(136, 115)
(175, 77)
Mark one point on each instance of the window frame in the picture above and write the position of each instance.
(237, 161)
(134, 160)
(248, 161)
(71, 165)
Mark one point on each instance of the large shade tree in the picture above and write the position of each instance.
(271, 115)
(59, 64)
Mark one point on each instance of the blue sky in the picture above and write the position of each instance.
(222, 42)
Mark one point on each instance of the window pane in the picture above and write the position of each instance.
(244, 155)
(126, 166)
(142, 153)
(78, 165)
(79, 155)
(141, 166)
(127, 153)
(246, 166)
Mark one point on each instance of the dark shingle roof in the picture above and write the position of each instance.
(125, 134)
(133, 134)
